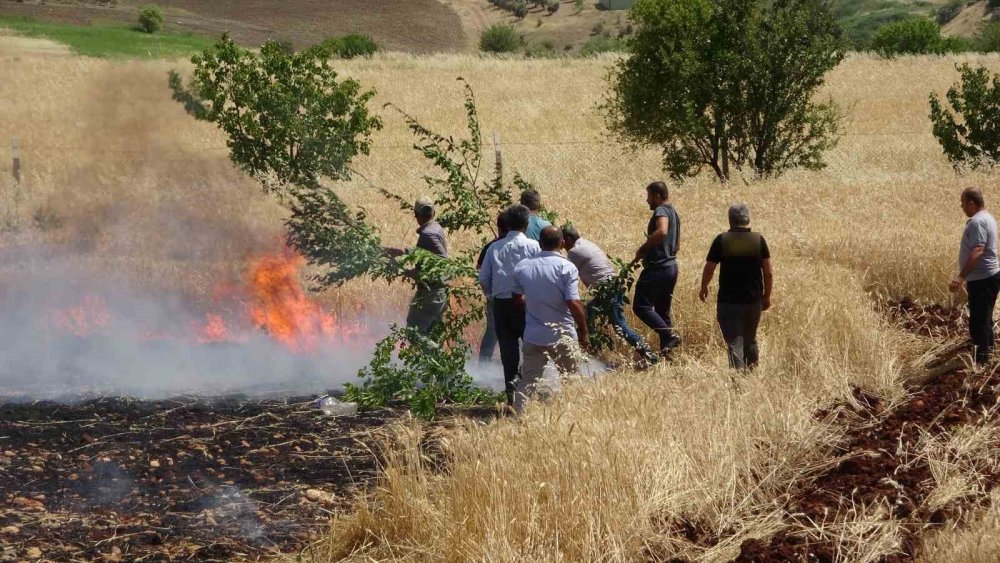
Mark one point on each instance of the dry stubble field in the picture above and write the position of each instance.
(611, 469)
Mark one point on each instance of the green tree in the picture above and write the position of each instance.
(349, 46)
(150, 19)
(969, 130)
(292, 124)
(913, 36)
(500, 38)
(727, 84)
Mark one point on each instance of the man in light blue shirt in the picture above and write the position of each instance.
(979, 270)
(549, 285)
(496, 276)
(533, 201)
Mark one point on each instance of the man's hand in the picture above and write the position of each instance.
(956, 284)
(766, 303)
(703, 294)
(584, 340)
(639, 254)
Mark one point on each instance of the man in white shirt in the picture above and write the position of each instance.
(549, 285)
(496, 276)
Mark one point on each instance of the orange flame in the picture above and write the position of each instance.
(89, 317)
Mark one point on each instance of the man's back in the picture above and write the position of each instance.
(496, 274)
(592, 263)
(980, 229)
(431, 237)
(665, 253)
(741, 254)
(547, 282)
(535, 226)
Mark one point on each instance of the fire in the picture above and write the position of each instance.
(270, 301)
(89, 317)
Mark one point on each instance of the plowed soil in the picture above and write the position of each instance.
(416, 26)
(872, 469)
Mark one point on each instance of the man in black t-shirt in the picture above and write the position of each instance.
(654, 290)
(489, 341)
(745, 282)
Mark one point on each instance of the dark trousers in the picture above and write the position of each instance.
(508, 317)
(982, 299)
(654, 292)
(617, 320)
(738, 322)
(489, 342)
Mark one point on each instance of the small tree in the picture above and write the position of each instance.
(727, 84)
(913, 36)
(500, 38)
(969, 131)
(150, 19)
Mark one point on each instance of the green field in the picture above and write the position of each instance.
(115, 40)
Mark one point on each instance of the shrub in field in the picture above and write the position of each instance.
(597, 45)
(733, 83)
(349, 46)
(150, 19)
(520, 9)
(500, 38)
(988, 39)
(969, 130)
(913, 36)
(552, 7)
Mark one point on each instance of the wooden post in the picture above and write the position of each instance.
(498, 154)
(16, 169)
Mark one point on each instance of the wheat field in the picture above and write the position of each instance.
(605, 471)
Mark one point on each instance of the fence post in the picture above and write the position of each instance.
(498, 154)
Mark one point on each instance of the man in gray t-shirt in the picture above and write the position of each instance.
(979, 270)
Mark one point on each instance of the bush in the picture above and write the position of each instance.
(988, 40)
(349, 46)
(552, 7)
(914, 36)
(520, 9)
(150, 19)
(948, 12)
(500, 38)
(969, 131)
(598, 45)
(993, 4)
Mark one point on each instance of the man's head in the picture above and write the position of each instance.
(550, 239)
(532, 200)
(502, 224)
(570, 236)
(517, 217)
(739, 215)
(972, 201)
(423, 209)
(657, 194)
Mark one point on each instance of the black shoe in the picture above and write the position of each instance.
(671, 343)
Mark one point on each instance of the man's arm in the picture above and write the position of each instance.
(658, 236)
(974, 256)
(486, 273)
(706, 278)
(768, 283)
(580, 316)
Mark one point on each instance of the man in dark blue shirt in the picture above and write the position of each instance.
(654, 289)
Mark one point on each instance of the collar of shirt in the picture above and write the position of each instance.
(739, 230)
(426, 226)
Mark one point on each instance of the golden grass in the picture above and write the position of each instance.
(610, 469)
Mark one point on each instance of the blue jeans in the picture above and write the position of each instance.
(617, 320)
(489, 342)
(654, 292)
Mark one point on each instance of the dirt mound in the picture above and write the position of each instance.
(968, 21)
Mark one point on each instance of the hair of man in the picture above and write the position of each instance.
(660, 189)
(570, 232)
(551, 238)
(739, 215)
(502, 223)
(531, 199)
(517, 217)
(974, 195)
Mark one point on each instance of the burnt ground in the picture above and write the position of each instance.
(209, 480)
(415, 26)
(871, 469)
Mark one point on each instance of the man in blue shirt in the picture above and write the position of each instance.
(549, 285)
(654, 290)
(533, 201)
(496, 276)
